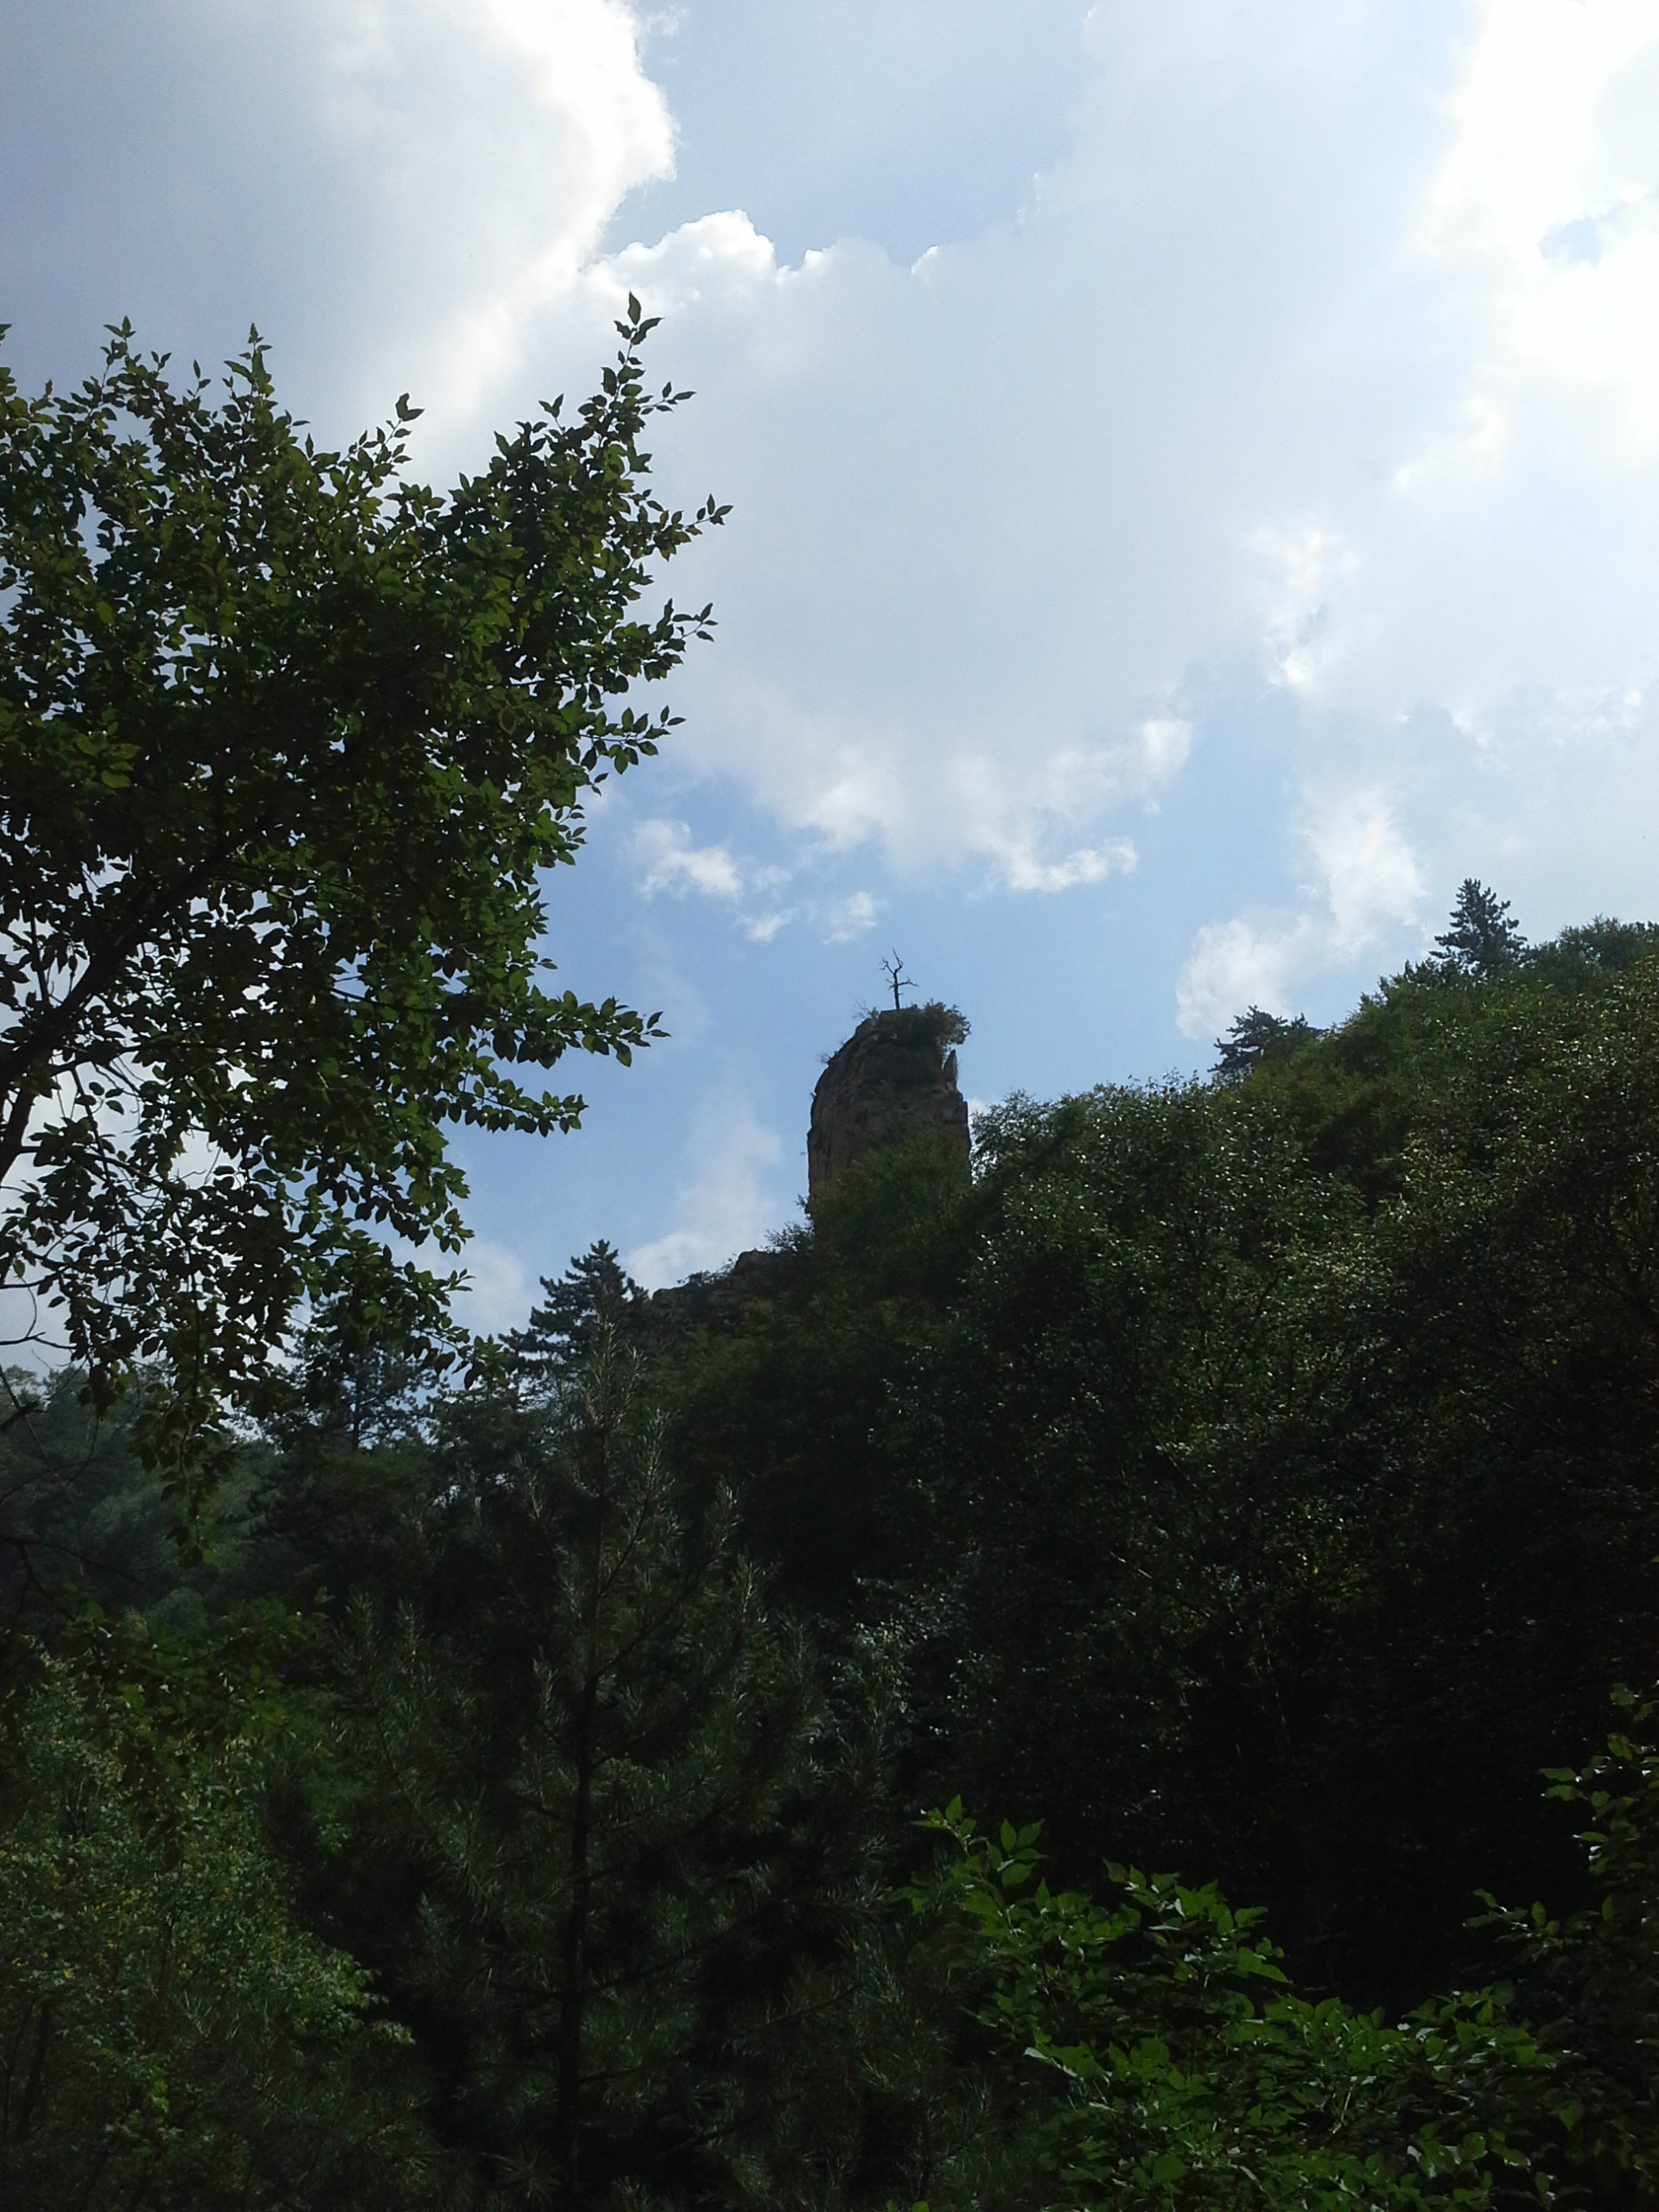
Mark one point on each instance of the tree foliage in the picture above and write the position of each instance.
(1253, 1475)
(168, 2034)
(1482, 938)
(1590, 1977)
(594, 1297)
(1256, 1037)
(286, 740)
(600, 1775)
(1231, 1460)
(1175, 2067)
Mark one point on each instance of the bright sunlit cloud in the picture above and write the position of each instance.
(1547, 201)
(989, 562)
(670, 861)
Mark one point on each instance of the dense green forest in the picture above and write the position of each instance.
(518, 1799)
(1114, 1676)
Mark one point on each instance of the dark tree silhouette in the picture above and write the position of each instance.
(1257, 1036)
(1483, 938)
(595, 1293)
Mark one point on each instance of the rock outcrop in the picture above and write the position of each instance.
(718, 1300)
(895, 1075)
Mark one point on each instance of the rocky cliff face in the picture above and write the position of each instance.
(895, 1074)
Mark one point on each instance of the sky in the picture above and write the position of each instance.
(1192, 470)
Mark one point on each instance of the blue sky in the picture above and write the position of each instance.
(1193, 471)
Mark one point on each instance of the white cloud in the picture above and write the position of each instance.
(760, 929)
(845, 919)
(672, 862)
(1324, 364)
(1283, 364)
(1368, 873)
(1022, 870)
(495, 138)
(976, 564)
(1288, 361)
(393, 189)
(1239, 963)
(1165, 742)
(1548, 200)
(727, 1203)
(1304, 569)
(1366, 880)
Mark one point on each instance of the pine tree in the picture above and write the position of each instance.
(604, 1767)
(1257, 1036)
(1482, 939)
(595, 1293)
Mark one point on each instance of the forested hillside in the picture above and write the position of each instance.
(1250, 1478)
(1258, 1472)
(1079, 1680)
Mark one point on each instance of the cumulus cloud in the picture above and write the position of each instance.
(494, 139)
(1328, 357)
(844, 918)
(393, 192)
(1547, 201)
(761, 928)
(1367, 873)
(1288, 375)
(1165, 741)
(1304, 569)
(1249, 961)
(670, 861)
(1022, 870)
